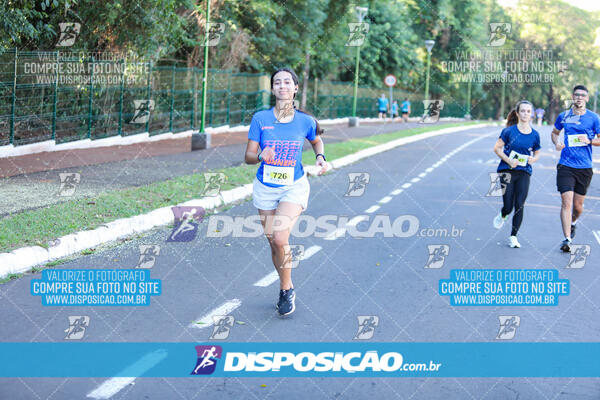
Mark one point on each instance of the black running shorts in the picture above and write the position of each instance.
(573, 179)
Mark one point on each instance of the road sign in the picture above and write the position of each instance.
(390, 80)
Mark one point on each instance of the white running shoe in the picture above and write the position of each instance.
(499, 221)
(514, 243)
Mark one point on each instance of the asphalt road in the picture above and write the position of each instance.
(39, 189)
(441, 183)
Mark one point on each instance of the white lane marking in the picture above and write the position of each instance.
(597, 235)
(396, 192)
(311, 251)
(422, 175)
(342, 231)
(428, 170)
(372, 209)
(113, 386)
(273, 277)
(267, 280)
(339, 232)
(358, 219)
(224, 309)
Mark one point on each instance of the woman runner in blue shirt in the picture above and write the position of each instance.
(281, 189)
(518, 147)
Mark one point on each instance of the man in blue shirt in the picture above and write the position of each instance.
(382, 104)
(574, 170)
(405, 108)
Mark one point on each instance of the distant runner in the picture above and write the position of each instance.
(382, 105)
(394, 110)
(405, 108)
(539, 113)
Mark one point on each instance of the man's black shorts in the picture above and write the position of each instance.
(573, 179)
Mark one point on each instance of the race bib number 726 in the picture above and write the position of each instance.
(278, 175)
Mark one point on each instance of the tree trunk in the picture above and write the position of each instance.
(551, 105)
(305, 78)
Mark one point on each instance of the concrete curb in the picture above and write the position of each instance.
(25, 258)
(10, 150)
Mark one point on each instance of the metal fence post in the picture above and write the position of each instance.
(14, 100)
(55, 99)
(91, 89)
(229, 75)
(194, 98)
(211, 106)
(149, 94)
(172, 99)
(121, 97)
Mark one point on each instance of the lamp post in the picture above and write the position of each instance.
(200, 140)
(504, 74)
(361, 12)
(429, 45)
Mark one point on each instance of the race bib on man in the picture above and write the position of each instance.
(278, 175)
(576, 140)
(522, 158)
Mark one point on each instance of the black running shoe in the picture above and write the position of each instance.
(287, 302)
(573, 231)
(566, 246)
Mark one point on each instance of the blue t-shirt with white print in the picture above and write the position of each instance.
(587, 124)
(286, 139)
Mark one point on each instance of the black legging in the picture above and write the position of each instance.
(517, 187)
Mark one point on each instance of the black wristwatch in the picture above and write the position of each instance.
(322, 155)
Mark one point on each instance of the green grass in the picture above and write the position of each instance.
(37, 227)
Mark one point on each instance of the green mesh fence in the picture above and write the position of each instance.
(48, 96)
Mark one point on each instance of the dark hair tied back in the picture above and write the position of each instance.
(513, 115)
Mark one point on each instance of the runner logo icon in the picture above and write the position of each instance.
(148, 254)
(508, 326)
(497, 184)
(187, 219)
(358, 183)
(143, 108)
(77, 325)
(366, 326)
(579, 253)
(437, 255)
(207, 359)
(221, 327)
(213, 182)
(358, 33)
(68, 33)
(68, 183)
(498, 33)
